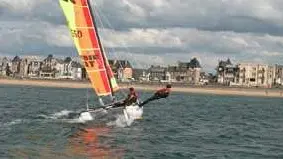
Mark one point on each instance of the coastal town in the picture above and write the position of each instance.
(188, 72)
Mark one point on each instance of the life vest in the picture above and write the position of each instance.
(134, 94)
(132, 98)
(164, 92)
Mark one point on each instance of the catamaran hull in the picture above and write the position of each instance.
(130, 112)
(134, 112)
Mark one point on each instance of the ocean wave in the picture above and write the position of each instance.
(12, 123)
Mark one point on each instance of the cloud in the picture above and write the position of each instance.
(20, 6)
(186, 39)
(31, 10)
(257, 16)
(17, 37)
(153, 32)
(57, 36)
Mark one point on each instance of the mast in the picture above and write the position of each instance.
(100, 46)
(87, 106)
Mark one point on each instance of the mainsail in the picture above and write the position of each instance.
(80, 21)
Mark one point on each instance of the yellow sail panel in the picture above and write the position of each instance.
(80, 23)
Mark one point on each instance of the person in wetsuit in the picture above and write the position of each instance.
(161, 93)
(131, 99)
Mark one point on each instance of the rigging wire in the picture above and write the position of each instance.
(100, 15)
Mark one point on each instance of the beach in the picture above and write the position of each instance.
(186, 89)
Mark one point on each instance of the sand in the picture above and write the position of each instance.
(200, 90)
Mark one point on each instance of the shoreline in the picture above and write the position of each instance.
(146, 87)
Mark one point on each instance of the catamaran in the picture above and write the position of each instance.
(81, 23)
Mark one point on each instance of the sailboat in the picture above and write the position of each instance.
(81, 23)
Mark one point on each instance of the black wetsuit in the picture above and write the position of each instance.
(132, 98)
(163, 93)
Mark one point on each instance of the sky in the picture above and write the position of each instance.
(152, 32)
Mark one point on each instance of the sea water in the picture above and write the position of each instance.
(38, 122)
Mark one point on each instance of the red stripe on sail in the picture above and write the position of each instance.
(95, 44)
(87, 17)
(94, 40)
(83, 2)
(99, 59)
(105, 81)
(109, 71)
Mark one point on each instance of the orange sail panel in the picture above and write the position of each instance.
(82, 28)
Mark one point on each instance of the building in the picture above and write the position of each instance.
(227, 73)
(140, 74)
(60, 69)
(5, 66)
(51, 67)
(122, 69)
(157, 73)
(278, 79)
(187, 72)
(64, 68)
(76, 71)
(34, 68)
(16, 64)
(179, 74)
(204, 78)
(71, 70)
(24, 65)
(259, 75)
(270, 76)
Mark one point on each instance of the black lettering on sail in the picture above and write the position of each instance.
(76, 33)
(84, 58)
(72, 1)
(91, 60)
(86, 64)
(91, 63)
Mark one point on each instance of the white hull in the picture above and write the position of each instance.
(134, 112)
(130, 112)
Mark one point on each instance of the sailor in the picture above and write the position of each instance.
(164, 92)
(131, 99)
(161, 93)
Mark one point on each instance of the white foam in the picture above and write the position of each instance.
(127, 118)
(119, 122)
(61, 114)
(14, 122)
(85, 116)
(122, 120)
(134, 112)
(43, 116)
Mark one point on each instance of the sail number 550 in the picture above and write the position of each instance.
(76, 33)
